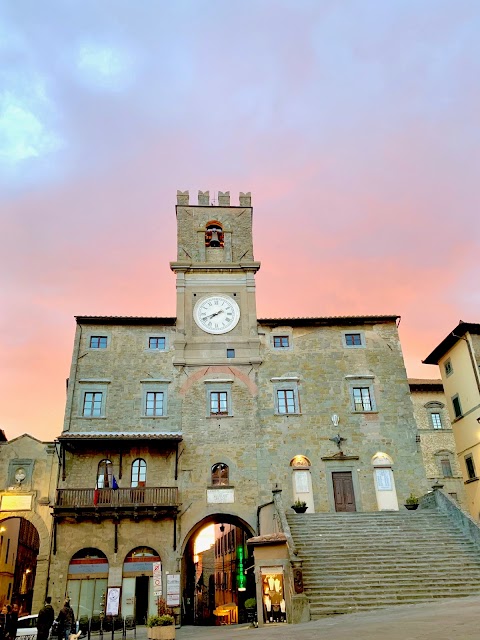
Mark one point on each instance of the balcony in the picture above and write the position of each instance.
(130, 502)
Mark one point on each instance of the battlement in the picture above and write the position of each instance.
(245, 199)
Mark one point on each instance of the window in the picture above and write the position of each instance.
(139, 473)
(92, 404)
(218, 403)
(470, 467)
(230, 353)
(436, 420)
(448, 367)
(362, 400)
(457, 407)
(446, 467)
(286, 401)
(220, 475)
(353, 339)
(157, 343)
(281, 342)
(104, 474)
(154, 403)
(98, 342)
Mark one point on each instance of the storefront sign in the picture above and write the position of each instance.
(173, 590)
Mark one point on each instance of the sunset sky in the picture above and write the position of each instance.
(355, 125)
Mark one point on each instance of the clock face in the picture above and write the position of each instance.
(216, 314)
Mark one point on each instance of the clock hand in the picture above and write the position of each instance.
(214, 314)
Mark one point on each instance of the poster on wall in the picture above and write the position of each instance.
(113, 601)
(173, 590)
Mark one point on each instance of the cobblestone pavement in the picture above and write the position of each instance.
(454, 619)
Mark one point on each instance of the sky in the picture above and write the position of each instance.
(355, 125)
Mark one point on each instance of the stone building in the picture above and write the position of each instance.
(458, 357)
(435, 437)
(28, 473)
(175, 423)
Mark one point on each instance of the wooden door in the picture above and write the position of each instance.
(343, 491)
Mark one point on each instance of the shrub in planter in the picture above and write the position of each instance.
(250, 603)
(161, 627)
(299, 506)
(411, 502)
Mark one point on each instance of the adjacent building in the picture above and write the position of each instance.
(458, 357)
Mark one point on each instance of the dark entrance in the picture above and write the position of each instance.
(141, 599)
(343, 491)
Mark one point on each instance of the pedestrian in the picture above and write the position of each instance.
(3, 620)
(11, 622)
(45, 619)
(66, 621)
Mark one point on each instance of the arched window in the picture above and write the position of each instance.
(214, 236)
(139, 473)
(220, 475)
(104, 474)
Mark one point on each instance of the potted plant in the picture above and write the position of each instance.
(251, 608)
(161, 627)
(411, 503)
(299, 506)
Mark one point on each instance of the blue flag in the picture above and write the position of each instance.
(114, 483)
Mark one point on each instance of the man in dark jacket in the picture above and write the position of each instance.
(66, 621)
(11, 622)
(45, 619)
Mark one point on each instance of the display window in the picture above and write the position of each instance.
(273, 591)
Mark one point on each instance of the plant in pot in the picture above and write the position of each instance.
(251, 608)
(161, 627)
(299, 506)
(411, 503)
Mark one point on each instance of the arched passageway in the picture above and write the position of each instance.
(19, 547)
(217, 575)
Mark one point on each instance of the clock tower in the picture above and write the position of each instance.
(215, 269)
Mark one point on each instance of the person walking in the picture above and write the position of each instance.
(66, 621)
(11, 622)
(45, 619)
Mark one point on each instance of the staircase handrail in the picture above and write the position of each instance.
(446, 504)
(284, 526)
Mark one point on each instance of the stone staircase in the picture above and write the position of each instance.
(361, 561)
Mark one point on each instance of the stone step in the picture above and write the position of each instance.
(362, 561)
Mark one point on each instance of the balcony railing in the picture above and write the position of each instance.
(132, 497)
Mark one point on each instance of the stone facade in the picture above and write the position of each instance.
(435, 437)
(28, 472)
(319, 407)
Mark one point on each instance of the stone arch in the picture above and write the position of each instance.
(381, 459)
(39, 525)
(384, 482)
(434, 404)
(300, 461)
(239, 375)
(212, 580)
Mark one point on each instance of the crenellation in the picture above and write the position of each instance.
(245, 199)
(224, 198)
(182, 197)
(204, 198)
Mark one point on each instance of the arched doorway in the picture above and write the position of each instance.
(384, 482)
(19, 547)
(217, 571)
(302, 481)
(87, 582)
(138, 597)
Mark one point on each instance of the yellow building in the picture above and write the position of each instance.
(458, 357)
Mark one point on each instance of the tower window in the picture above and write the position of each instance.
(230, 353)
(98, 342)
